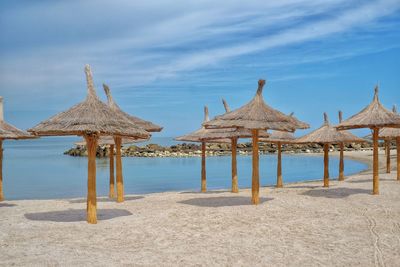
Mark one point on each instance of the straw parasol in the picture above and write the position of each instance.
(147, 125)
(225, 135)
(90, 119)
(240, 133)
(8, 131)
(388, 134)
(327, 135)
(202, 135)
(279, 138)
(233, 134)
(109, 141)
(373, 116)
(255, 116)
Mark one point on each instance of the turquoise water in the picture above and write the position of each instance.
(37, 169)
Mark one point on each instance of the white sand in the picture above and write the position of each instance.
(299, 225)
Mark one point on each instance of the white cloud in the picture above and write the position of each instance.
(164, 39)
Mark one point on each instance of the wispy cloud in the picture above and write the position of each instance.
(195, 37)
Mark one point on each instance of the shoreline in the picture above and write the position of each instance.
(212, 149)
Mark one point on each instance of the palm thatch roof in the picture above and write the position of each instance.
(203, 134)
(389, 133)
(89, 117)
(147, 125)
(256, 115)
(224, 134)
(328, 134)
(8, 131)
(109, 140)
(280, 136)
(232, 132)
(374, 115)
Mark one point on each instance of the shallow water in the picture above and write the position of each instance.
(37, 169)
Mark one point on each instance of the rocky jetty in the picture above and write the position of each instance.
(194, 150)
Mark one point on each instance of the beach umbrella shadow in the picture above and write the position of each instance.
(336, 192)
(7, 205)
(215, 202)
(129, 198)
(75, 215)
(369, 180)
(301, 186)
(208, 192)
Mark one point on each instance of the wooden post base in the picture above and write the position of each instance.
(326, 165)
(235, 187)
(203, 168)
(387, 144)
(279, 183)
(91, 209)
(120, 181)
(255, 180)
(341, 162)
(375, 167)
(111, 193)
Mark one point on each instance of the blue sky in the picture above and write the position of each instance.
(164, 60)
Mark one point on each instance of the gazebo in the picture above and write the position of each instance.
(255, 116)
(279, 138)
(109, 141)
(327, 134)
(374, 116)
(90, 119)
(146, 125)
(8, 131)
(388, 134)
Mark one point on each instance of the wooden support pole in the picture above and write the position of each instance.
(398, 157)
(1, 171)
(375, 168)
(341, 162)
(387, 145)
(91, 208)
(120, 181)
(255, 180)
(326, 165)
(279, 183)
(112, 178)
(235, 188)
(203, 167)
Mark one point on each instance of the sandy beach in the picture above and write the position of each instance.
(301, 224)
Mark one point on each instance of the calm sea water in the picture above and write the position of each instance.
(37, 169)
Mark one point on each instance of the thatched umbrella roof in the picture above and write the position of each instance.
(389, 133)
(89, 116)
(256, 115)
(8, 131)
(147, 125)
(374, 115)
(203, 134)
(328, 134)
(280, 136)
(214, 135)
